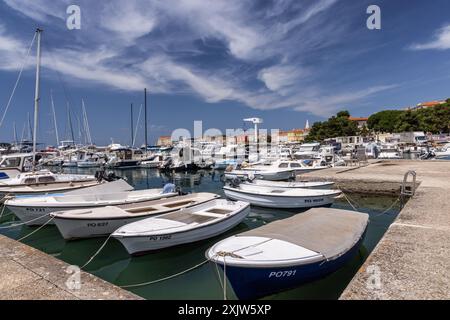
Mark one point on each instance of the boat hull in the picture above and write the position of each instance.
(251, 282)
(143, 244)
(269, 201)
(43, 189)
(32, 213)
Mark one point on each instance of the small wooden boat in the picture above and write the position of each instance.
(280, 197)
(97, 222)
(29, 209)
(290, 252)
(183, 226)
(290, 185)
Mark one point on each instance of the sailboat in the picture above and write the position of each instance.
(41, 181)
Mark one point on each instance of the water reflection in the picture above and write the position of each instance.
(115, 265)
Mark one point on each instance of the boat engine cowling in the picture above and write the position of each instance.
(235, 182)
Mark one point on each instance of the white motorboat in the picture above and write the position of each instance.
(297, 167)
(276, 171)
(44, 181)
(12, 165)
(443, 151)
(308, 151)
(291, 185)
(281, 197)
(272, 175)
(29, 209)
(122, 158)
(90, 162)
(153, 163)
(290, 252)
(183, 226)
(389, 151)
(96, 222)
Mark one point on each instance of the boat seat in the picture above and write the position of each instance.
(207, 214)
(188, 218)
(219, 211)
(141, 210)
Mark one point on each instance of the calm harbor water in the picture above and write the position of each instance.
(114, 265)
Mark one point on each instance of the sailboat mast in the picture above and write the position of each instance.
(145, 120)
(69, 120)
(15, 133)
(36, 94)
(87, 129)
(132, 127)
(54, 118)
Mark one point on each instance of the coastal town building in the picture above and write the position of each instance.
(164, 141)
(361, 121)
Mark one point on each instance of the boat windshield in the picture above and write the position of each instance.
(10, 162)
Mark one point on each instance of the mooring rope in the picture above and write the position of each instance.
(166, 278)
(33, 232)
(28, 221)
(1, 213)
(349, 200)
(97, 252)
(390, 207)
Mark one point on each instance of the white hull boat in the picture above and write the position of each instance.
(183, 226)
(29, 209)
(291, 185)
(271, 175)
(98, 222)
(43, 182)
(287, 253)
(152, 164)
(88, 164)
(281, 197)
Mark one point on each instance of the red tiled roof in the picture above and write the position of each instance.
(358, 119)
(430, 103)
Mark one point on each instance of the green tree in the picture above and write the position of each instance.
(336, 126)
(384, 121)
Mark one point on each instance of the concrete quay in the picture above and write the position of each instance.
(29, 274)
(412, 260)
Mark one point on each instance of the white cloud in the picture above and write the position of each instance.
(280, 77)
(40, 10)
(270, 56)
(441, 41)
(128, 19)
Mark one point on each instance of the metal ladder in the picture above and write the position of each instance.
(406, 190)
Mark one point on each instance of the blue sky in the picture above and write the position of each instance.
(220, 61)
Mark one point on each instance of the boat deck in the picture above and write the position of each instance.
(413, 257)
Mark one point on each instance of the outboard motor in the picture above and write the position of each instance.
(235, 182)
(101, 175)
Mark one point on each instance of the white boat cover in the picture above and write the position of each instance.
(103, 188)
(331, 232)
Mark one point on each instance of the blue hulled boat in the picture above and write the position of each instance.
(290, 252)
